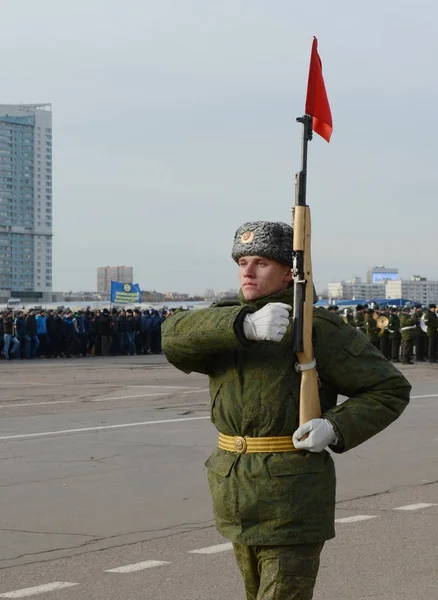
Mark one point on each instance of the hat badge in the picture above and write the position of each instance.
(247, 237)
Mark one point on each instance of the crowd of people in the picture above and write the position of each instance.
(66, 333)
(400, 333)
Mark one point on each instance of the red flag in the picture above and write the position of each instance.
(317, 104)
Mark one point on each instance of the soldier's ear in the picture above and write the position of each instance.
(288, 275)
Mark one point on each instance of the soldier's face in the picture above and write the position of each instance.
(261, 277)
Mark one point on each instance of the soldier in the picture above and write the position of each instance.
(274, 491)
(333, 309)
(350, 317)
(383, 335)
(394, 334)
(359, 319)
(431, 322)
(371, 327)
(420, 342)
(408, 327)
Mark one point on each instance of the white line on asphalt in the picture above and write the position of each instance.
(426, 396)
(191, 391)
(166, 387)
(213, 549)
(13, 405)
(82, 384)
(28, 383)
(355, 519)
(99, 428)
(127, 397)
(147, 564)
(415, 506)
(39, 589)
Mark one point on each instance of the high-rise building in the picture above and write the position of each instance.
(382, 274)
(25, 200)
(417, 289)
(107, 274)
(355, 289)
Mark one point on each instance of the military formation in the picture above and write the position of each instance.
(399, 333)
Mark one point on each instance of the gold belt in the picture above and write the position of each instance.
(245, 445)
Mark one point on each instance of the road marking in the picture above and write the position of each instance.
(426, 396)
(28, 383)
(63, 384)
(415, 506)
(213, 549)
(147, 564)
(99, 428)
(355, 519)
(13, 405)
(166, 387)
(39, 589)
(127, 397)
(190, 391)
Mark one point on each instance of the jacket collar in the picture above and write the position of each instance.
(286, 296)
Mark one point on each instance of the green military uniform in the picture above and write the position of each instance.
(409, 331)
(350, 318)
(278, 508)
(431, 322)
(394, 336)
(371, 330)
(359, 321)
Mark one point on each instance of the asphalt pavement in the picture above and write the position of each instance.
(104, 495)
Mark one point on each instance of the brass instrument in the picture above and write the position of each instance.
(382, 322)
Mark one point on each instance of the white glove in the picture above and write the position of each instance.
(321, 435)
(268, 323)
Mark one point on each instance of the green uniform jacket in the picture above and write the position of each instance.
(431, 321)
(371, 328)
(359, 321)
(394, 326)
(410, 321)
(288, 497)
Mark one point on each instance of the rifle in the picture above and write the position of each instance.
(310, 407)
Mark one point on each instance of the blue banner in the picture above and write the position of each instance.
(125, 293)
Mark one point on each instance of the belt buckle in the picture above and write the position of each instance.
(240, 445)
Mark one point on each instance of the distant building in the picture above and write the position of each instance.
(105, 275)
(209, 294)
(382, 274)
(176, 296)
(231, 294)
(25, 201)
(152, 297)
(418, 289)
(347, 290)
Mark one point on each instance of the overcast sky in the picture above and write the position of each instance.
(174, 122)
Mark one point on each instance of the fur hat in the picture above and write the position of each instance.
(272, 240)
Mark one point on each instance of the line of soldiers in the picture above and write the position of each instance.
(397, 332)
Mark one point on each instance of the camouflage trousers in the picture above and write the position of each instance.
(279, 572)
